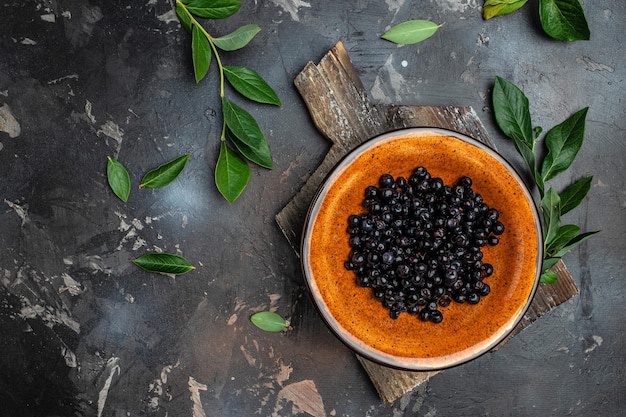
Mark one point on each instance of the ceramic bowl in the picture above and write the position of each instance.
(467, 331)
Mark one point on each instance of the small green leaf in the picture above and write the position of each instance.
(269, 321)
(549, 263)
(260, 156)
(164, 263)
(242, 124)
(250, 84)
(213, 9)
(563, 142)
(164, 174)
(493, 8)
(118, 178)
(410, 32)
(575, 242)
(550, 207)
(564, 20)
(549, 277)
(573, 195)
(200, 53)
(231, 173)
(183, 17)
(237, 39)
(563, 235)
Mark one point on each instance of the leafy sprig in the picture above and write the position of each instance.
(560, 19)
(242, 140)
(512, 113)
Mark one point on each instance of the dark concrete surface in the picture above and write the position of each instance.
(86, 333)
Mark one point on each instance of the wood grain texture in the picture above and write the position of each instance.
(342, 112)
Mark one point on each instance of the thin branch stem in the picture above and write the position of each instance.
(217, 58)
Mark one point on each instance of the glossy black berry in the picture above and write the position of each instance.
(386, 181)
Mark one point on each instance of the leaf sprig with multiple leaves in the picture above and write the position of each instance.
(563, 142)
(560, 19)
(241, 138)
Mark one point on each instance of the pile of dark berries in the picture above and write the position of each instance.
(418, 246)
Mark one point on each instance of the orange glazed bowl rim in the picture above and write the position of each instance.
(467, 331)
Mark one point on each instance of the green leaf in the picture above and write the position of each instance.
(183, 17)
(260, 156)
(563, 235)
(250, 84)
(563, 142)
(410, 32)
(549, 277)
(550, 207)
(164, 263)
(512, 113)
(563, 20)
(575, 242)
(237, 39)
(573, 195)
(118, 178)
(164, 174)
(231, 173)
(242, 124)
(549, 263)
(493, 8)
(200, 53)
(269, 321)
(213, 9)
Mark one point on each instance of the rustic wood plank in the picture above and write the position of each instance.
(392, 384)
(340, 109)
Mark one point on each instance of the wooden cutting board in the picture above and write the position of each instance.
(342, 112)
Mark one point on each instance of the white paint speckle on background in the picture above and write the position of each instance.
(8, 122)
(49, 17)
(168, 17)
(194, 388)
(404, 64)
(597, 342)
(49, 315)
(113, 131)
(304, 397)
(21, 211)
(70, 285)
(291, 7)
(113, 367)
(457, 6)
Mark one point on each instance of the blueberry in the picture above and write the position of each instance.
(386, 181)
(436, 316)
(388, 258)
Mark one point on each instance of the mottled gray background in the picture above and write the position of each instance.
(84, 332)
